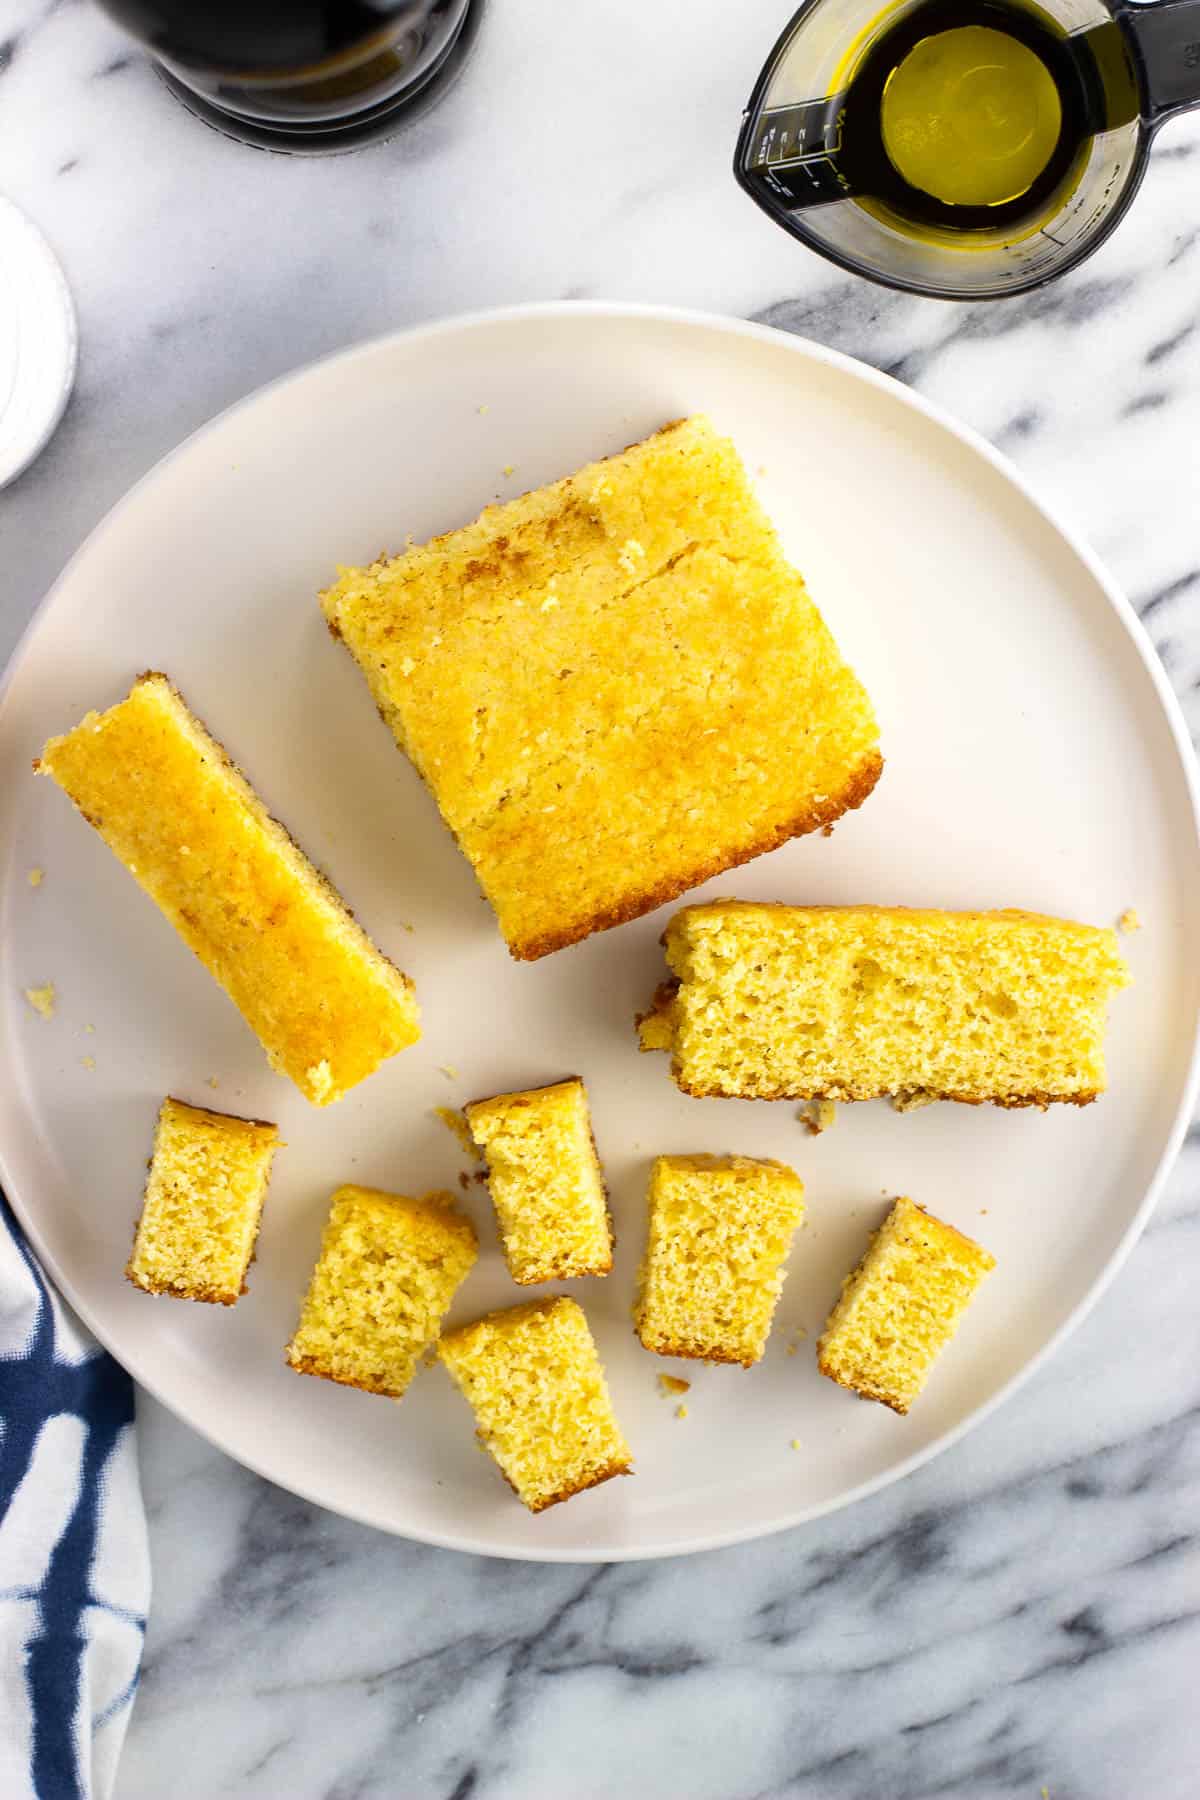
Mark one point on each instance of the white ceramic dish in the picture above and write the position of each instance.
(1035, 757)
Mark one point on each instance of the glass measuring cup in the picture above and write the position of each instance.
(1143, 67)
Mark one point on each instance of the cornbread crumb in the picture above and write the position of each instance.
(795, 1443)
(481, 409)
(88, 1062)
(912, 1101)
(542, 1409)
(36, 877)
(89, 1028)
(43, 999)
(817, 1116)
(859, 1002)
(901, 1306)
(1129, 921)
(545, 1181)
(508, 468)
(213, 1082)
(449, 1071)
(792, 1349)
(388, 1269)
(719, 1232)
(455, 1123)
(681, 1412)
(203, 1201)
(673, 1384)
(326, 1006)
(682, 709)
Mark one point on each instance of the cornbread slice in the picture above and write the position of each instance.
(541, 1404)
(204, 1198)
(719, 1232)
(901, 1306)
(388, 1269)
(615, 686)
(166, 799)
(850, 1003)
(545, 1181)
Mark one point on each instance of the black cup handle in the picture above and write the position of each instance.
(1166, 41)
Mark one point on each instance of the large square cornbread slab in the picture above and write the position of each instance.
(326, 1006)
(203, 1202)
(388, 1270)
(542, 1409)
(615, 686)
(718, 1234)
(901, 1306)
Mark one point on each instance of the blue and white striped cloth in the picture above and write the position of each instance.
(74, 1565)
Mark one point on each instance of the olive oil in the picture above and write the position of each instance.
(968, 115)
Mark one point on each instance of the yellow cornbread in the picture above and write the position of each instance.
(203, 1201)
(545, 1181)
(166, 799)
(719, 1232)
(541, 1404)
(615, 686)
(388, 1270)
(851, 1003)
(901, 1306)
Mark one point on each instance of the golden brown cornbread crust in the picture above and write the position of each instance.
(864, 1390)
(1012, 1102)
(579, 1487)
(207, 1295)
(692, 1351)
(308, 1365)
(814, 818)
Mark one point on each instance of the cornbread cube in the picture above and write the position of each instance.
(388, 1269)
(203, 1201)
(901, 1306)
(541, 1404)
(776, 1002)
(166, 799)
(719, 1232)
(545, 1181)
(615, 686)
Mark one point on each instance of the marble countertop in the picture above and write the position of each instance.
(1022, 1617)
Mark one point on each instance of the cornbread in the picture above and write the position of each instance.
(901, 1306)
(545, 1182)
(541, 1404)
(203, 1202)
(166, 799)
(851, 1003)
(388, 1269)
(615, 686)
(719, 1233)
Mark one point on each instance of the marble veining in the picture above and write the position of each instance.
(1020, 1618)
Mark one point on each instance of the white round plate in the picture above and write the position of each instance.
(1035, 757)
